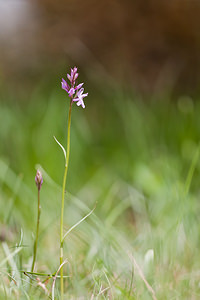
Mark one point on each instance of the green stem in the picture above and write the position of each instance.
(37, 233)
(63, 202)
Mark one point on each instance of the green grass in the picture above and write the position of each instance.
(138, 161)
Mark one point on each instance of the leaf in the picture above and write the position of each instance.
(10, 259)
(79, 222)
(61, 146)
(9, 255)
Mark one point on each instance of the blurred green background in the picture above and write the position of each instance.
(134, 149)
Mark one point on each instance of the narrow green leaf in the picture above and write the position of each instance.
(61, 146)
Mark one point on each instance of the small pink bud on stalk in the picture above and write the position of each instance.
(38, 179)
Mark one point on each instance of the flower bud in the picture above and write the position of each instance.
(38, 179)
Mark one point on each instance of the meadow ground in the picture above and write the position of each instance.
(136, 162)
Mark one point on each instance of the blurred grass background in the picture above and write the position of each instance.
(134, 154)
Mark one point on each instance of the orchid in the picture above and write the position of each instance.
(75, 92)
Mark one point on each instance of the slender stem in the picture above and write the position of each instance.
(37, 233)
(63, 202)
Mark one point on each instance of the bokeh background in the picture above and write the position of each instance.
(147, 45)
(134, 148)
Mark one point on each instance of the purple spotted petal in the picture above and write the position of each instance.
(69, 77)
(75, 76)
(71, 92)
(78, 86)
(65, 85)
(74, 71)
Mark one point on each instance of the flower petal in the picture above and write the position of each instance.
(84, 95)
(75, 76)
(69, 77)
(65, 85)
(71, 92)
(78, 86)
(80, 102)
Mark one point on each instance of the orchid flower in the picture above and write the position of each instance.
(75, 92)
